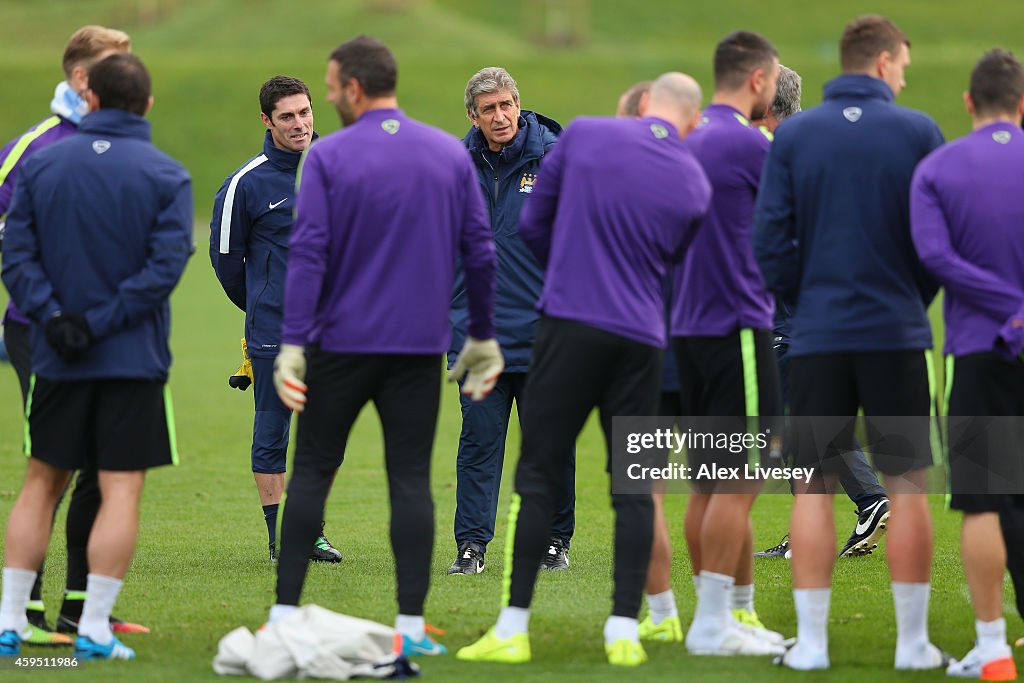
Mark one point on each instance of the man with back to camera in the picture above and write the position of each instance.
(600, 340)
(252, 219)
(86, 46)
(507, 146)
(856, 476)
(840, 247)
(965, 219)
(93, 274)
(366, 235)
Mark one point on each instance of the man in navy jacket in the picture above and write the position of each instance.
(506, 145)
(93, 272)
(832, 234)
(252, 220)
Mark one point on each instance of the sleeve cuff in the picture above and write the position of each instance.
(1010, 340)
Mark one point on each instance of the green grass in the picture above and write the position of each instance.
(200, 568)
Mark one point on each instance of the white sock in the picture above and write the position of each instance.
(911, 601)
(412, 627)
(617, 628)
(714, 597)
(512, 621)
(278, 612)
(662, 606)
(812, 616)
(991, 634)
(16, 590)
(100, 596)
(743, 597)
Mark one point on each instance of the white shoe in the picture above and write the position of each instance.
(920, 657)
(804, 658)
(760, 632)
(730, 641)
(991, 665)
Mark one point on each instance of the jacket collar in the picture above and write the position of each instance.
(115, 122)
(283, 158)
(858, 85)
(535, 134)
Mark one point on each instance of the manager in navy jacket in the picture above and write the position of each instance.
(507, 145)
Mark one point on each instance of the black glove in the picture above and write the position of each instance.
(69, 335)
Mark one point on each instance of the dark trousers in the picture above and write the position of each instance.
(479, 464)
(575, 368)
(85, 500)
(405, 390)
(856, 476)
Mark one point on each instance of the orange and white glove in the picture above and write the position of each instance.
(481, 363)
(289, 373)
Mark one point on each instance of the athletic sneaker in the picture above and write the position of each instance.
(669, 630)
(871, 524)
(323, 551)
(803, 659)
(749, 622)
(273, 553)
(997, 665)
(426, 646)
(469, 560)
(514, 650)
(731, 641)
(69, 624)
(34, 635)
(10, 644)
(87, 648)
(557, 556)
(625, 652)
(922, 657)
(780, 551)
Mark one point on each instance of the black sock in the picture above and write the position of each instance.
(270, 517)
(72, 605)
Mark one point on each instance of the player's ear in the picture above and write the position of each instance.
(968, 103)
(882, 62)
(149, 105)
(92, 99)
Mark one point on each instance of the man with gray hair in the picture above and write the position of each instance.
(786, 103)
(506, 144)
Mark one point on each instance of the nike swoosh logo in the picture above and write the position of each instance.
(861, 528)
(277, 204)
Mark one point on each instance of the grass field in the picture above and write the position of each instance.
(200, 569)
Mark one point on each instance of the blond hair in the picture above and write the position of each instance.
(89, 42)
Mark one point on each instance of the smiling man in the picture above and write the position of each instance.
(252, 220)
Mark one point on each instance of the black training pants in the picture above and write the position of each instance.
(575, 368)
(405, 390)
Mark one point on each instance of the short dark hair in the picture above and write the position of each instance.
(278, 88)
(997, 83)
(738, 54)
(865, 38)
(370, 62)
(636, 92)
(121, 81)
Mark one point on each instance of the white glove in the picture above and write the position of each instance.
(481, 363)
(289, 371)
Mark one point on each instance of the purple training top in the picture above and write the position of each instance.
(719, 282)
(606, 225)
(967, 222)
(385, 207)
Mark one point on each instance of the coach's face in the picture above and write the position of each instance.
(891, 69)
(291, 123)
(497, 117)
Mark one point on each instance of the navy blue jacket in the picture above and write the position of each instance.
(252, 220)
(832, 221)
(507, 180)
(100, 225)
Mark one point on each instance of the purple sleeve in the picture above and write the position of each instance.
(975, 286)
(538, 215)
(307, 252)
(476, 246)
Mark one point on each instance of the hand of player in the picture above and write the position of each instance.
(289, 371)
(481, 363)
(69, 335)
(242, 377)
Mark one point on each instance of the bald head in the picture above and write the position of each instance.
(676, 98)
